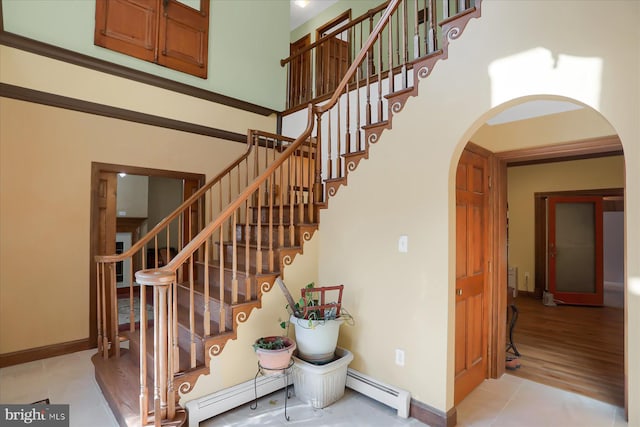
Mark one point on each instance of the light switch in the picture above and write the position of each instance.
(403, 244)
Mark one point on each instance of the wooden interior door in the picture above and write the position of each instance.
(471, 328)
(333, 63)
(300, 73)
(575, 257)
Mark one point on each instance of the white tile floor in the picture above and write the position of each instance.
(63, 379)
(507, 402)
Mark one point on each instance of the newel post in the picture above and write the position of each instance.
(163, 393)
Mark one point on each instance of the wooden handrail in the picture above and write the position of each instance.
(198, 194)
(165, 222)
(199, 239)
(393, 5)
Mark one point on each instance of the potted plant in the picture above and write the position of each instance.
(320, 367)
(274, 352)
(317, 317)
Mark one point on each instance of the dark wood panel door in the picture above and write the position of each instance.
(471, 273)
(575, 250)
(300, 72)
(333, 62)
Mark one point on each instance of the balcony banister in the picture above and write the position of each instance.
(393, 5)
(369, 14)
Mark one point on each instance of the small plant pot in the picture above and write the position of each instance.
(317, 339)
(274, 360)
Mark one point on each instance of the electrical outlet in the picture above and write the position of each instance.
(399, 357)
(403, 244)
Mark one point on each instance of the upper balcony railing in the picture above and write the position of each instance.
(315, 70)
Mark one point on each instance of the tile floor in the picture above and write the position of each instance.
(507, 402)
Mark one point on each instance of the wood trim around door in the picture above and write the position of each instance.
(540, 227)
(96, 169)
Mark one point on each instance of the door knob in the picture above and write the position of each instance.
(459, 291)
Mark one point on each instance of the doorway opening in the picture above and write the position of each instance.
(516, 145)
(575, 348)
(146, 197)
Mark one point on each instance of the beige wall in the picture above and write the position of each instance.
(28, 70)
(44, 147)
(45, 174)
(407, 300)
(574, 125)
(524, 181)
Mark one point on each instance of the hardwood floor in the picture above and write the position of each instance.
(579, 349)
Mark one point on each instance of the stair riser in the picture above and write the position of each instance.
(263, 214)
(184, 342)
(134, 347)
(214, 280)
(254, 230)
(253, 257)
(198, 301)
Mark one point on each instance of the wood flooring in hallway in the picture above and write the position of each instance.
(574, 348)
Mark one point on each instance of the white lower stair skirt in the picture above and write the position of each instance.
(224, 400)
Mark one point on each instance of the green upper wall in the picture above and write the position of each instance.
(239, 32)
(358, 7)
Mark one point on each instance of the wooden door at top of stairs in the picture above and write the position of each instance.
(472, 191)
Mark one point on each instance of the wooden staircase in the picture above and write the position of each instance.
(237, 233)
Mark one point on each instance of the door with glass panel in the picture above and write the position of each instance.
(575, 250)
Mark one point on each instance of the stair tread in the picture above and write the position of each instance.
(184, 322)
(375, 125)
(119, 379)
(399, 92)
(338, 179)
(355, 153)
(241, 269)
(214, 292)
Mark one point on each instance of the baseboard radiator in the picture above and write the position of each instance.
(224, 400)
(232, 397)
(391, 396)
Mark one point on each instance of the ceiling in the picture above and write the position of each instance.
(300, 15)
(531, 109)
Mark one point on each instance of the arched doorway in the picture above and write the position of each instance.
(541, 137)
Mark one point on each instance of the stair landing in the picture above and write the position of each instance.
(119, 380)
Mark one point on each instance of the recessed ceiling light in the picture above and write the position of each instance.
(302, 3)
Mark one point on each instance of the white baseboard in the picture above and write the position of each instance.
(232, 397)
(215, 404)
(383, 393)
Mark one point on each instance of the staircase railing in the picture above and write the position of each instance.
(168, 237)
(252, 234)
(401, 48)
(314, 71)
(270, 218)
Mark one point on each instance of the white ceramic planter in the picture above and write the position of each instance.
(320, 386)
(317, 342)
